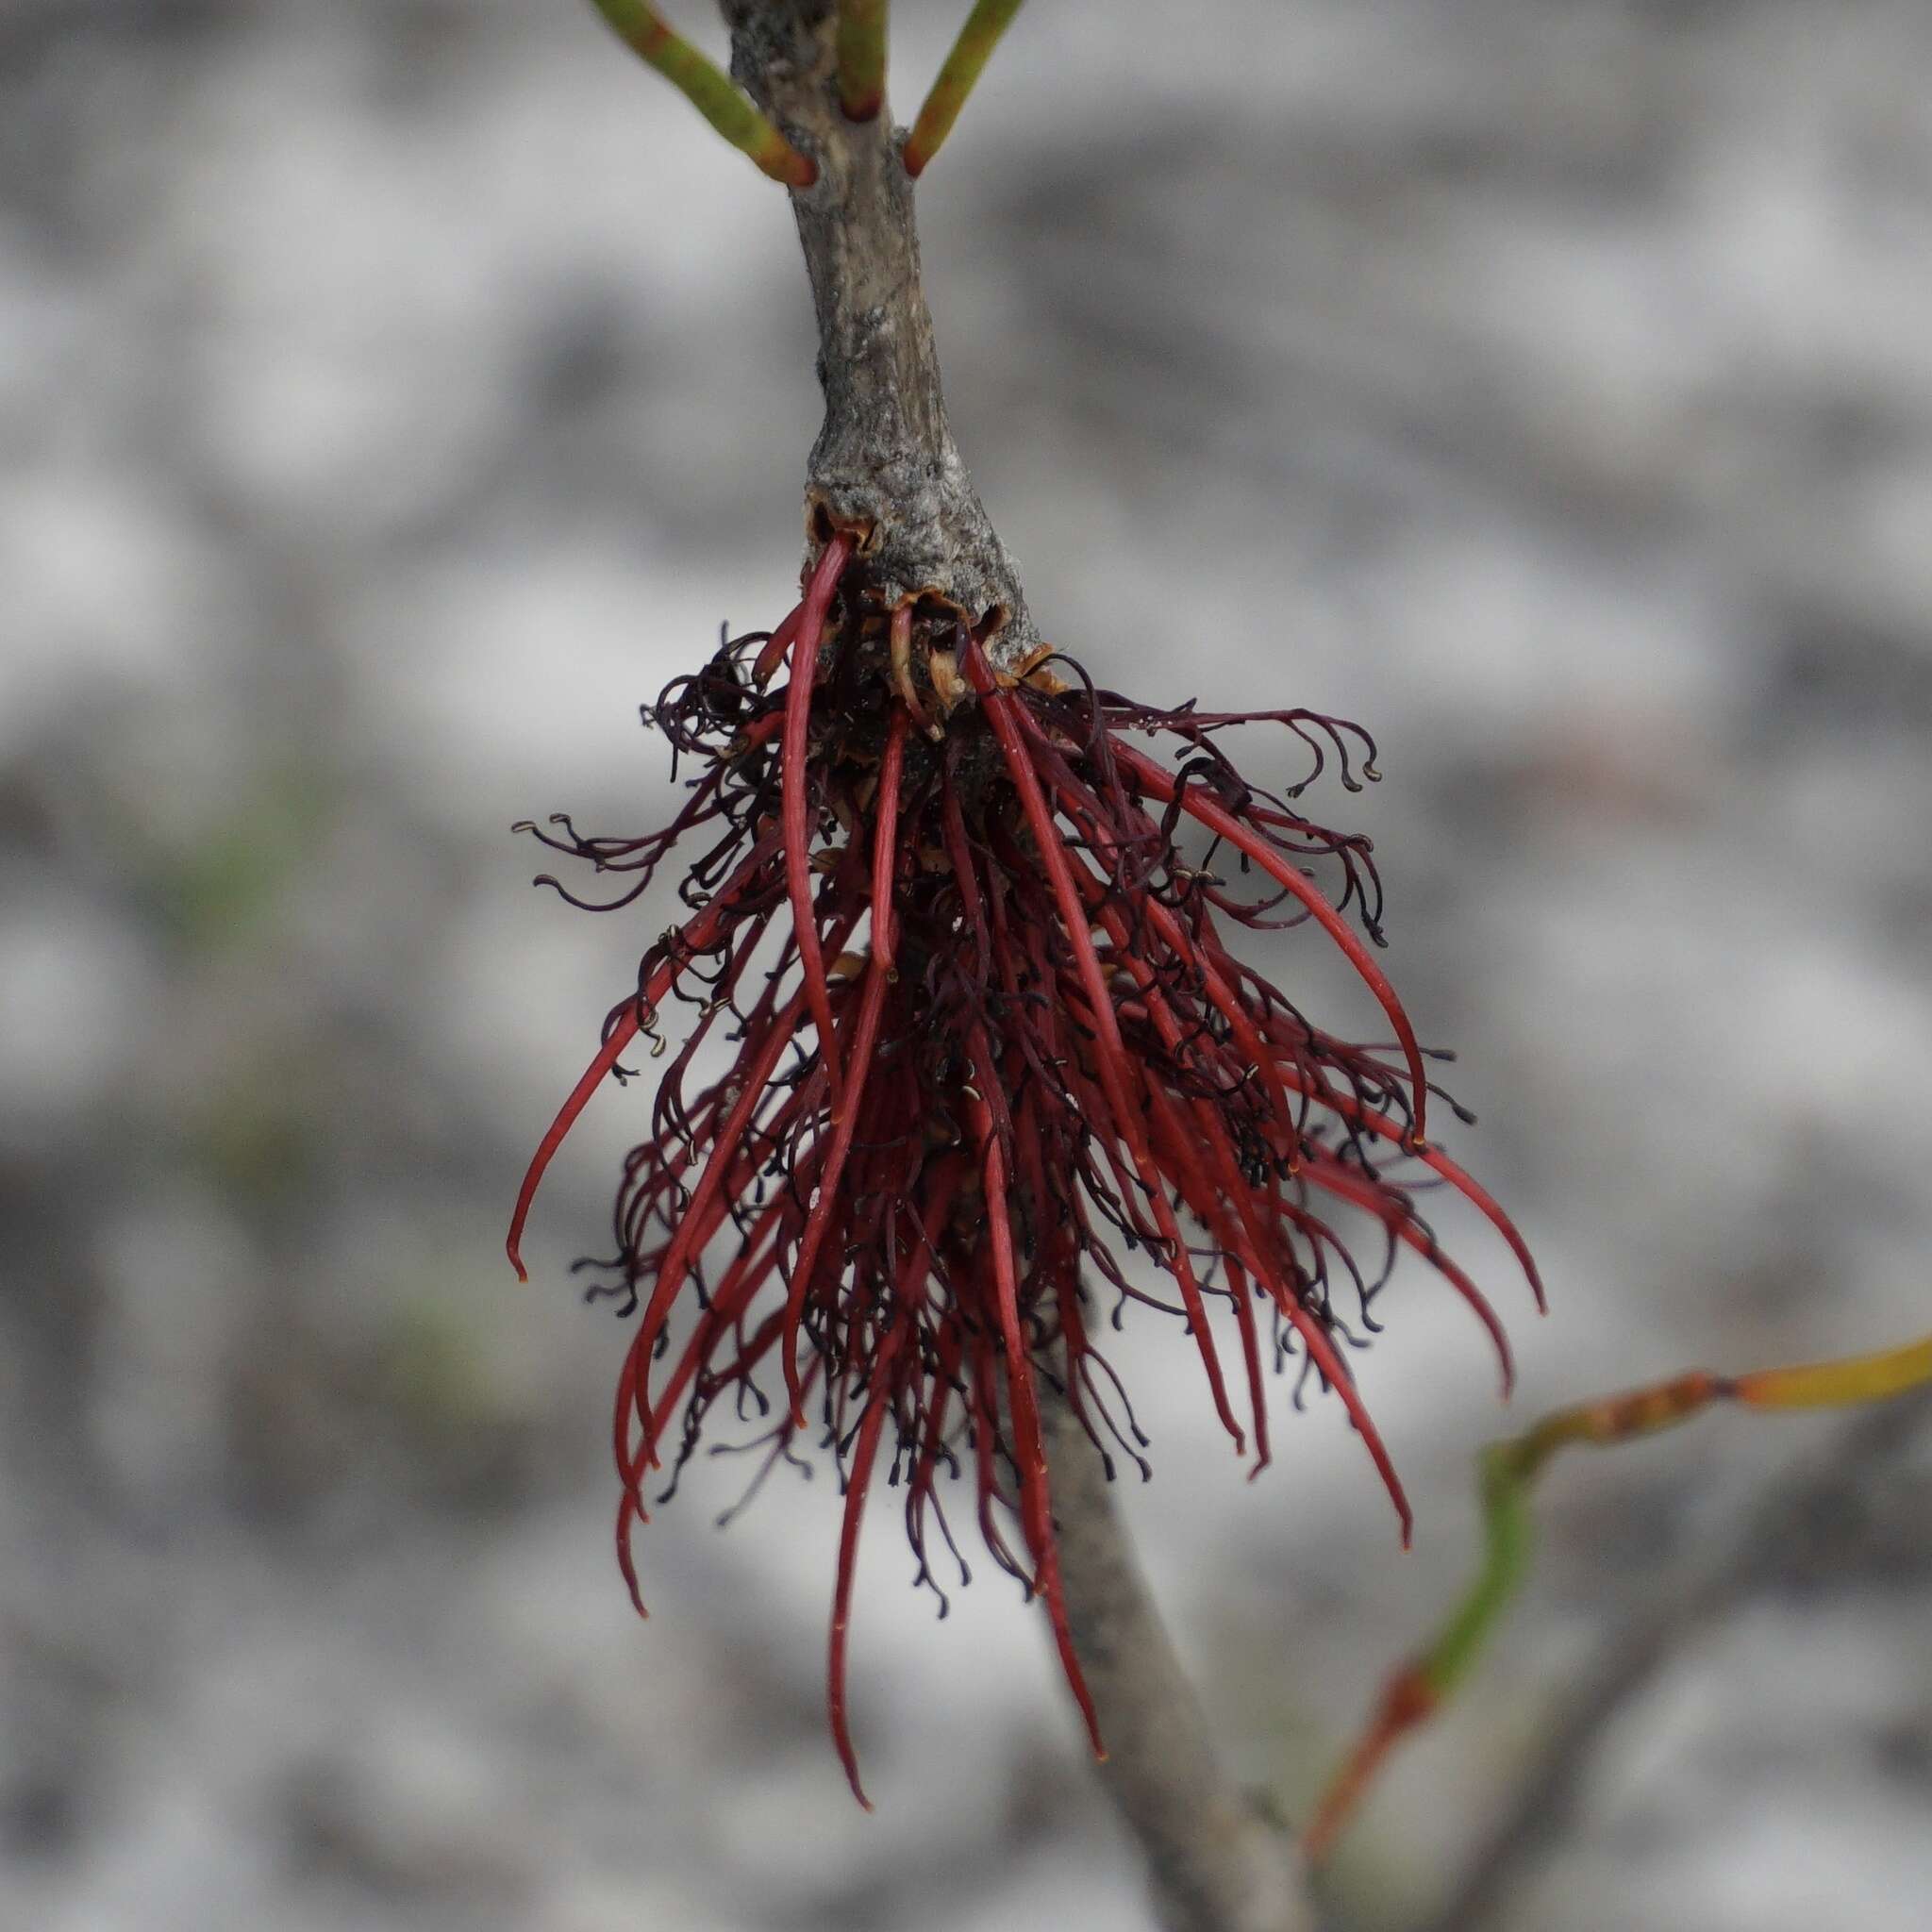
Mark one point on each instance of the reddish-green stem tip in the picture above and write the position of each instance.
(862, 57)
(708, 88)
(988, 21)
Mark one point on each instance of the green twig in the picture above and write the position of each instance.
(862, 57)
(1507, 1477)
(988, 21)
(708, 88)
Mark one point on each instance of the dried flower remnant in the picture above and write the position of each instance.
(988, 1041)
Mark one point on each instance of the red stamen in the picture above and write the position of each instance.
(1029, 1450)
(1328, 1173)
(899, 650)
(885, 851)
(776, 645)
(1465, 1184)
(620, 1037)
(858, 1481)
(691, 1226)
(1248, 1241)
(1215, 816)
(1220, 995)
(865, 1033)
(697, 935)
(1231, 1185)
(1110, 1058)
(805, 652)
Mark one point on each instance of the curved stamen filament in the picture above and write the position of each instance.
(866, 1032)
(1111, 1060)
(885, 847)
(793, 779)
(1219, 819)
(1029, 1449)
(697, 935)
(899, 656)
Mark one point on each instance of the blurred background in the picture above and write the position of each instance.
(394, 394)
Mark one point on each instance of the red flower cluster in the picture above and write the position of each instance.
(988, 1037)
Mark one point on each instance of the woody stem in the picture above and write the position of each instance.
(1215, 1862)
(884, 465)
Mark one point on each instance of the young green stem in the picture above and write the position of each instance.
(1507, 1473)
(862, 57)
(981, 34)
(644, 30)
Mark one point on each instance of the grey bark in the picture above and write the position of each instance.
(1217, 1864)
(885, 467)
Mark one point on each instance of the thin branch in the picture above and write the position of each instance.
(1217, 1863)
(1804, 1511)
(1508, 1475)
(708, 88)
(981, 34)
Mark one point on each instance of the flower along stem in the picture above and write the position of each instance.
(1507, 1476)
(708, 88)
(982, 1041)
(963, 66)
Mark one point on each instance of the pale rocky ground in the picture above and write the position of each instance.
(393, 393)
